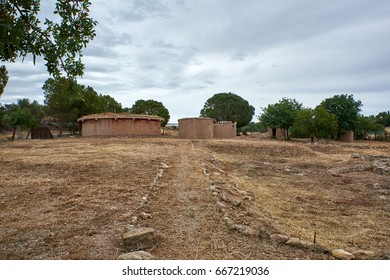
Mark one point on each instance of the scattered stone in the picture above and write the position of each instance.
(296, 242)
(145, 216)
(227, 220)
(236, 203)
(279, 238)
(245, 230)
(137, 255)
(263, 234)
(214, 193)
(342, 254)
(221, 206)
(364, 255)
(134, 220)
(213, 188)
(164, 165)
(355, 155)
(247, 197)
(139, 238)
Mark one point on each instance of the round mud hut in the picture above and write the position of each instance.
(196, 128)
(120, 124)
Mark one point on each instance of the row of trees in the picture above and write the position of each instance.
(332, 117)
(66, 101)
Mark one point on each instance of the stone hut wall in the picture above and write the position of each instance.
(225, 130)
(120, 126)
(196, 128)
(347, 136)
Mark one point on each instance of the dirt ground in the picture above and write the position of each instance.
(73, 198)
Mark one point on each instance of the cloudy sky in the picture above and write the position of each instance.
(182, 52)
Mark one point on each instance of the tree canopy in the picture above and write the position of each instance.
(346, 109)
(3, 78)
(383, 118)
(67, 100)
(228, 107)
(151, 107)
(281, 115)
(59, 40)
(317, 123)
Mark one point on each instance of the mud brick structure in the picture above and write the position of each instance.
(196, 128)
(347, 136)
(120, 124)
(276, 133)
(225, 129)
(205, 128)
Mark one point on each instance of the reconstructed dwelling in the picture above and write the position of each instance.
(205, 128)
(120, 124)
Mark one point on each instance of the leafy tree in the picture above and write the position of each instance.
(368, 125)
(63, 99)
(67, 100)
(3, 78)
(151, 107)
(383, 118)
(228, 107)
(23, 118)
(346, 109)
(59, 43)
(317, 123)
(281, 115)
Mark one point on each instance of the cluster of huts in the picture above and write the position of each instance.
(123, 124)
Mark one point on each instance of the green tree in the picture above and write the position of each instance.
(3, 78)
(59, 42)
(281, 115)
(151, 107)
(67, 100)
(346, 109)
(63, 99)
(228, 107)
(383, 118)
(367, 125)
(22, 118)
(317, 123)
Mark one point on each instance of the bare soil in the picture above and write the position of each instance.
(73, 198)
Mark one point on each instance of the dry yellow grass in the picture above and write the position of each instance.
(72, 198)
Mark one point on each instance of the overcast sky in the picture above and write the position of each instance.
(182, 52)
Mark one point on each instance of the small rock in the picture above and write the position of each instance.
(164, 165)
(342, 255)
(247, 197)
(137, 255)
(279, 238)
(213, 188)
(145, 216)
(296, 242)
(214, 193)
(134, 220)
(227, 220)
(355, 155)
(364, 255)
(139, 238)
(221, 206)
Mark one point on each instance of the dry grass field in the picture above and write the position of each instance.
(73, 198)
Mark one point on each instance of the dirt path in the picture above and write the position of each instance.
(185, 215)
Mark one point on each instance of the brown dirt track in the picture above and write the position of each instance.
(73, 198)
